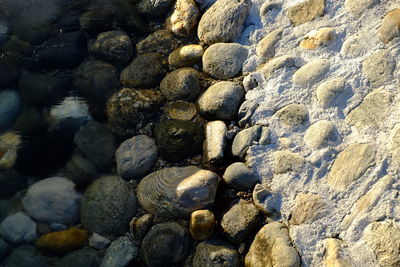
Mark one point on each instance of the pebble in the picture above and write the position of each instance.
(311, 73)
(350, 165)
(86, 257)
(221, 101)
(272, 244)
(117, 201)
(293, 115)
(176, 192)
(18, 229)
(145, 71)
(245, 138)
(390, 27)
(224, 60)
(97, 20)
(112, 46)
(121, 252)
(140, 226)
(285, 161)
(181, 110)
(26, 256)
(378, 68)
(328, 91)
(305, 11)
(202, 224)
(215, 253)
(277, 63)
(306, 209)
(266, 47)
(215, 142)
(161, 41)
(53, 200)
(356, 7)
(97, 143)
(184, 18)
(223, 21)
(80, 170)
(31, 122)
(136, 156)
(9, 145)
(335, 253)
(238, 176)
(241, 221)
(98, 242)
(154, 8)
(63, 241)
(320, 134)
(266, 200)
(165, 244)
(186, 56)
(181, 84)
(317, 38)
(10, 103)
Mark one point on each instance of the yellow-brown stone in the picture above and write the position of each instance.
(390, 27)
(315, 39)
(63, 241)
(202, 223)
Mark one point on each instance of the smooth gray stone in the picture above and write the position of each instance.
(244, 139)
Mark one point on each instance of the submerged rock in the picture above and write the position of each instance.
(202, 224)
(181, 84)
(63, 241)
(121, 252)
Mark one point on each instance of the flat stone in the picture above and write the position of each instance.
(136, 156)
(224, 60)
(238, 176)
(306, 209)
(266, 47)
(293, 115)
(184, 18)
(311, 73)
(336, 255)
(121, 252)
(215, 253)
(215, 142)
(202, 224)
(285, 161)
(356, 7)
(384, 239)
(328, 91)
(317, 38)
(272, 247)
(278, 63)
(305, 11)
(266, 200)
(320, 134)
(390, 27)
(351, 164)
(18, 229)
(186, 56)
(181, 110)
(223, 21)
(372, 111)
(378, 68)
(221, 101)
(251, 136)
(181, 84)
(98, 242)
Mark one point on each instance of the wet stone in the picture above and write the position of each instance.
(18, 229)
(154, 7)
(202, 224)
(181, 84)
(186, 56)
(161, 41)
(215, 253)
(121, 252)
(86, 257)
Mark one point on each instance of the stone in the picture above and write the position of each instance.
(181, 84)
(285, 161)
(215, 142)
(165, 244)
(184, 18)
(10, 103)
(97, 20)
(30, 122)
(202, 224)
(4, 248)
(306, 209)
(292, 115)
(186, 56)
(305, 11)
(251, 136)
(311, 73)
(351, 164)
(356, 7)
(140, 226)
(224, 60)
(117, 202)
(241, 221)
(266, 200)
(129, 110)
(250, 82)
(18, 229)
(266, 46)
(145, 71)
(272, 247)
(53, 200)
(321, 134)
(277, 63)
(221, 101)
(121, 252)
(161, 41)
(328, 91)
(215, 253)
(96, 80)
(395, 143)
(176, 192)
(378, 68)
(390, 27)
(223, 21)
(97, 143)
(63, 241)
(181, 110)
(372, 110)
(113, 46)
(136, 156)
(26, 256)
(178, 139)
(317, 38)
(366, 202)
(154, 7)
(383, 238)
(98, 242)
(80, 170)
(336, 255)
(86, 257)
(11, 183)
(238, 176)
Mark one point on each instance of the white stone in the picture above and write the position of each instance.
(311, 73)
(215, 141)
(320, 134)
(328, 91)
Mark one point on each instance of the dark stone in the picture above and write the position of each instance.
(11, 183)
(86, 257)
(162, 41)
(177, 139)
(121, 252)
(30, 122)
(26, 256)
(154, 7)
(215, 253)
(97, 20)
(81, 171)
(8, 74)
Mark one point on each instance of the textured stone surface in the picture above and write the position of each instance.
(266, 46)
(277, 63)
(293, 115)
(184, 18)
(215, 253)
(356, 7)
(320, 134)
(378, 68)
(86, 257)
(161, 41)
(18, 229)
(335, 254)
(305, 11)
(306, 208)
(215, 141)
(311, 73)
(247, 137)
(63, 241)
(202, 224)
(186, 56)
(121, 252)
(286, 161)
(328, 91)
(26, 256)
(390, 27)
(181, 84)
(317, 38)
(266, 200)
